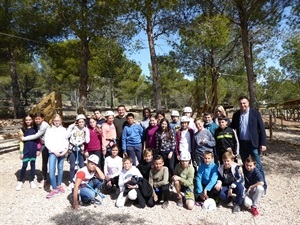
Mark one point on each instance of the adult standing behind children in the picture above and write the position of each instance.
(120, 122)
(42, 127)
(57, 143)
(251, 133)
(220, 111)
(132, 137)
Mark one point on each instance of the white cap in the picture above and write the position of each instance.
(109, 113)
(185, 155)
(132, 194)
(93, 158)
(209, 204)
(187, 109)
(184, 119)
(80, 116)
(174, 113)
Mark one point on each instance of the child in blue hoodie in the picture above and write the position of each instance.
(207, 177)
(132, 137)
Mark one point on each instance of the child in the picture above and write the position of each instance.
(225, 139)
(159, 180)
(132, 137)
(28, 152)
(203, 142)
(230, 182)
(109, 133)
(150, 141)
(78, 135)
(207, 177)
(94, 145)
(87, 182)
(253, 184)
(112, 167)
(146, 118)
(183, 180)
(146, 165)
(184, 137)
(165, 144)
(187, 111)
(57, 144)
(175, 123)
(209, 124)
(128, 172)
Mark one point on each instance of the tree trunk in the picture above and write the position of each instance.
(18, 110)
(247, 55)
(154, 65)
(214, 79)
(83, 80)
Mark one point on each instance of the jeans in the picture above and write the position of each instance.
(86, 193)
(135, 151)
(72, 158)
(247, 149)
(170, 163)
(53, 162)
(239, 191)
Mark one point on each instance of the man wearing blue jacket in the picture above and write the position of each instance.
(132, 137)
(251, 133)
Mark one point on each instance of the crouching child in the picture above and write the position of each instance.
(88, 181)
(253, 184)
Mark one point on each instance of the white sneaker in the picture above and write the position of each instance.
(70, 187)
(32, 184)
(19, 186)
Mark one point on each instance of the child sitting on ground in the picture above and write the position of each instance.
(253, 184)
(146, 165)
(206, 179)
(89, 181)
(183, 180)
(128, 172)
(112, 167)
(159, 180)
(230, 181)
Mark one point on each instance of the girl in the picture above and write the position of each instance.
(112, 167)
(220, 111)
(159, 116)
(165, 144)
(94, 145)
(109, 133)
(146, 118)
(78, 134)
(28, 152)
(230, 182)
(57, 144)
(150, 141)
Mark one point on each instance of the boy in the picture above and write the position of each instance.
(175, 123)
(146, 165)
(230, 182)
(128, 173)
(209, 124)
(253, 184)
(86, 178)
(187, 111)
(183, 180)
(132, 137)
(184, 137)
(225, 139)
(207, 177)
(159, 181)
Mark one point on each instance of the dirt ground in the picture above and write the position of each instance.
(29, 206)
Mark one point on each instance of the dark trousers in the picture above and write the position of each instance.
(72, 158)
(45, 157)
(23, 170)
(239, 191)
(170, 163)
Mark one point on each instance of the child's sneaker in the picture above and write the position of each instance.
(254, 211)
(60, 189)
(236, 208)
(52, 194)
(32, 184)
(19, 186)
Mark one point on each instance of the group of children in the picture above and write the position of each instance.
(144, 161)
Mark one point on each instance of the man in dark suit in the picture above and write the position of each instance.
(251, 133)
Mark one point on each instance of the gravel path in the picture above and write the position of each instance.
(29, 206)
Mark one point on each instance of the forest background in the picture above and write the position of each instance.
(219, 49)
